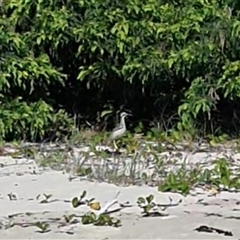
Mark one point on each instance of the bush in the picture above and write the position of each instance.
(19, 120)
(161, 59)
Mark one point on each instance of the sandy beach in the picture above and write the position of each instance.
(22, 185)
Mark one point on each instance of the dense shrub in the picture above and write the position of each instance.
(176, 62)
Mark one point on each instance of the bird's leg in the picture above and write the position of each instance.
(115, 145)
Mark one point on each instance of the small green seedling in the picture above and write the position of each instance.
(146, 204)
(12, 197)
(46, 196)
(28, 152)
(76, 202)
(101, 220)
(69, 218)
(82, 171)
(44, 227)
(150, 208)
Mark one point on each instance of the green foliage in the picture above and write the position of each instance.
(221, 177)
(43, 227)
(225, 176)
(100, 220)
(146, 204)
(177, 183)
(19, 120)
(25, 79)
(158, 58)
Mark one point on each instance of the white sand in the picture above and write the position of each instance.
(180, 223)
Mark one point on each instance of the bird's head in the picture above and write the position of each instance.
(124, 114)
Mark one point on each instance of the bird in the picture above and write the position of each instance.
(119, 130)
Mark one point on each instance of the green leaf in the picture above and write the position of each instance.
(75, 202)
(141, 200)
(83, 195)
(106, 112)
(83, 73)
(149, 198)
